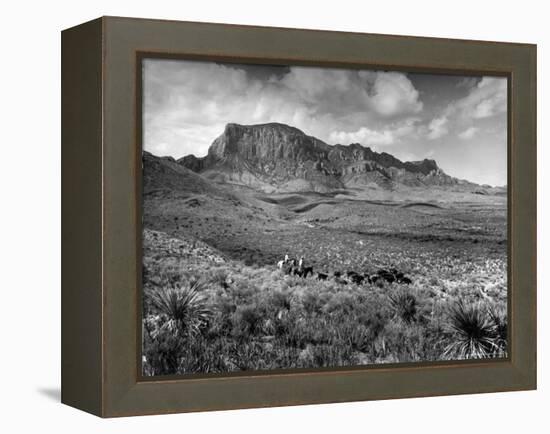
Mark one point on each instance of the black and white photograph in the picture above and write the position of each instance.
(305, 217)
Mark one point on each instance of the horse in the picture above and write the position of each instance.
(305, 271)
(289, 267)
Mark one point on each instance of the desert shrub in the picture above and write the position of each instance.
(358, 337)
(221, 323)
(279, 300)
(247, 321)
(434, 281)
(161, 348)
(204, 355)
(406, 342)
(404, 305)
(181, 314)
(327, 356)
(242, 289)
(262, 319)
(342, 303)
(375, 323)
(246, 355)
(472, 332)
(300, 330)
(313, 302)
(380, 283)
(219, 277)
(499, 318)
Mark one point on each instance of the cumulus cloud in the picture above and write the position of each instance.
(468, 82)
(365, 136)
(387, 94)
(468, 133)
(390, 135)
(394, 94)
(437, 128)
(187, 103)
(485, 99)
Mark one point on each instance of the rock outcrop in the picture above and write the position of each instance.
(278, 157)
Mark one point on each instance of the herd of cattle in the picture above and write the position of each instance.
(297, 268)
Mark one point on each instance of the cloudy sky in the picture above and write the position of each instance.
(458, 121)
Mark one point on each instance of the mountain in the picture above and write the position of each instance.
(268, 156)
(281, 158)
(163, 175)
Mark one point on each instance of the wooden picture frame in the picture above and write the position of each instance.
(101, 224)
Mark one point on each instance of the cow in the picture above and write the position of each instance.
(386, 275)
(322, 276)
(357, 279)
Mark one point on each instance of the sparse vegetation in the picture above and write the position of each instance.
(450, 303)
(243, 317)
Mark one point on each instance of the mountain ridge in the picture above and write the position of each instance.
(276, 157)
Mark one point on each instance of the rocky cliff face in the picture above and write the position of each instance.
(278, 157)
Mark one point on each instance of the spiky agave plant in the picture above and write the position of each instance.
(180, 314)
(499, 318)
(404, 305)
(185, 308)
(472, 332)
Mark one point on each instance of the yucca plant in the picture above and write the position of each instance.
(499, 318)
(185, 308)
(472, 332)
(404, 305)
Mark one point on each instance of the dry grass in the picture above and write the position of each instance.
(260, 319)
